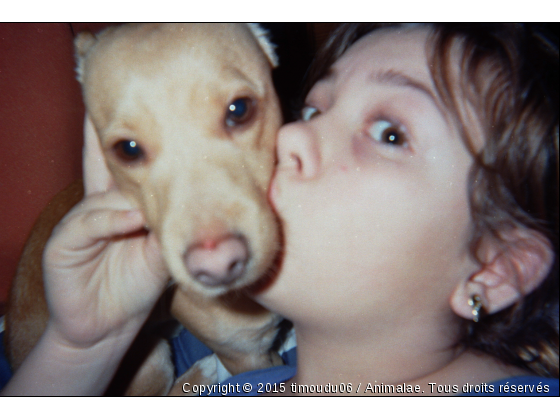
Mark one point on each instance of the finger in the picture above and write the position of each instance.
(105, 224)
(98, 216)
(84, 228)
(97, 177)
(110, 200)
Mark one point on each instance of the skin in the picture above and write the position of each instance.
(377, 231)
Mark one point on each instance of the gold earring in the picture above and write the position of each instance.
(475, 302)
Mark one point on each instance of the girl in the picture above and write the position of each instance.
(419, 198)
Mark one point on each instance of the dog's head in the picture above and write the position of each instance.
(187, 116)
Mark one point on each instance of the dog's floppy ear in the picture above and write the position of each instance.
(82, 44)
(97, 177)
(261, 35)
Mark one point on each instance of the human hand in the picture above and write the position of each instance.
(102, 271)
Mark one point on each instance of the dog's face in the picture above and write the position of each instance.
(187, 117)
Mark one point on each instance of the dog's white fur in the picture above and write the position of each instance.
(168, 87)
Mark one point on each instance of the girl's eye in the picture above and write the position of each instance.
(309, 112)
(239, 112)
(385, 132)
(128, 150)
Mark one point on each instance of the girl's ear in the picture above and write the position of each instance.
(512, 266)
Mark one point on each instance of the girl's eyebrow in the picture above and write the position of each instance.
(396, 78)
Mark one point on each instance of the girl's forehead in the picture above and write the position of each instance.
(403, 48)
(385, 54)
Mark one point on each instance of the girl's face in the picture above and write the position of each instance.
(372, 189)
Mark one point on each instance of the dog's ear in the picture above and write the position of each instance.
(82, 44)
(261, 35)
(97, 177)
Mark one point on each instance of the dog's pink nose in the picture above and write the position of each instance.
(220, 262)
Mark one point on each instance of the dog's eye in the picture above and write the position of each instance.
(128, 150)
(239, 112)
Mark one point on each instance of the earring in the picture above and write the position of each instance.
(475, 302)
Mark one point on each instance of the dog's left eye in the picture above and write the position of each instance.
(128, 150)
(239, 112)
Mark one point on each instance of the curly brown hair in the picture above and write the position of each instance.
(509, 74)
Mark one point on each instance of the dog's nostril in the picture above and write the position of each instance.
(236, 268)
(220, 264)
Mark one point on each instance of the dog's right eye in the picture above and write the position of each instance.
(128, 150)
(239, 112)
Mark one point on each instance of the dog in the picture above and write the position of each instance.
(186, 116)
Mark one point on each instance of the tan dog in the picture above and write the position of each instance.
(186, 117)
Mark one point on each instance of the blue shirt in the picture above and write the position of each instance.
(188, 349)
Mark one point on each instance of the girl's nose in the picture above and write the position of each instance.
(298, 149)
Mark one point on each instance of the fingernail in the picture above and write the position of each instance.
(132, 214)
